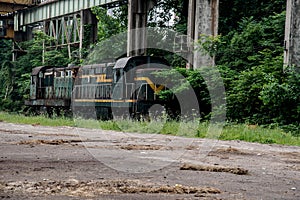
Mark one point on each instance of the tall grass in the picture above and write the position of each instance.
(40, 120)
(259, 134)
(185, 128)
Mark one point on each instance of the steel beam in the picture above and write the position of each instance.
(68, 30)
(56, 9)
(292, 34)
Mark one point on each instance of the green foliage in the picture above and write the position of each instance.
(11, 82)
(163, 13)
(209, 44)
(258, 134)
(258, 91)
(281, 100)
(205, 82)
(56, 58)
(243, 102)
(42, 120)
(241, 47)
(232, 11)
(15, 76)
(5, 51)
(109, 25)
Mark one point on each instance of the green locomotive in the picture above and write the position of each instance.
(125, 87)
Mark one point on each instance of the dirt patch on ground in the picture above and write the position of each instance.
(229, 150)
(56, 135)
(48, 142)
(292, 155)
(94, 188)
(37, 134)
(233, 170)
(191, 147)
(144, 147)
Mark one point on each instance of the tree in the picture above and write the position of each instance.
(232, 11)
(241, 47)
(15, 76)
(110, 24)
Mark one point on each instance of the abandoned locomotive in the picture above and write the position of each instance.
(126, 86)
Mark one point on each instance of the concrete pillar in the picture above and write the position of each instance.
(292, 33)
(88, 18)
(203, 19)
(137, 23)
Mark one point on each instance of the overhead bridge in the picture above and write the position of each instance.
(56, 8)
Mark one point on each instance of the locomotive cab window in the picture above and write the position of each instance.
(60, 74)
(57, 74)
(68, 73)
(109, 72)
(92, 71)
(85, 71)
(48, 80)
(99, 69)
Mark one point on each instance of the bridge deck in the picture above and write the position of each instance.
(56, 9)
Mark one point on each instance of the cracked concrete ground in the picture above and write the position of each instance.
(38, 162)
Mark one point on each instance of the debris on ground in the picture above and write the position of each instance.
(233, 170)
(78, 188)
(229, 150)
(142, 147)
(48, 142)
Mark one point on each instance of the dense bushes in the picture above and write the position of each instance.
(258, 89)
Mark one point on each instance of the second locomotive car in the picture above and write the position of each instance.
(125, 87)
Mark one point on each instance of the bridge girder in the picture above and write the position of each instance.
(55, 9)
(67, 31)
